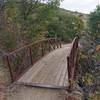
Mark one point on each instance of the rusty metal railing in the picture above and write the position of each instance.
(22, 59)
(72, 61)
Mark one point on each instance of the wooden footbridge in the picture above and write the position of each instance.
(48, 74)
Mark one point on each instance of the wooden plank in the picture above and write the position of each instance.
(50, 77)
(42, 86)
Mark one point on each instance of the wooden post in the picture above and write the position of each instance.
(30, 53)
(10, 70)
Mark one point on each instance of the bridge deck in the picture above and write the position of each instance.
(50, 70)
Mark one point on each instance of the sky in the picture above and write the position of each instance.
(84, 6)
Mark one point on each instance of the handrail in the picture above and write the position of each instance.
(72, 45)
(72, 60)
(16, 50)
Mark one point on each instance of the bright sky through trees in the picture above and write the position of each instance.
(84, 6)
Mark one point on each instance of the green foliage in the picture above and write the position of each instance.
(30, 20)
(10, 41)
(88, 79)
(65, 26)
(94, 22)
(95, 96)
(97, 56)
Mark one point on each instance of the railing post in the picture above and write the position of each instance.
(9, 66)
(49, 45)
(30, 53)
(69, 74)
(68, 67)
(54, 43)
(57, 43)
(42, 49)
(60, 43)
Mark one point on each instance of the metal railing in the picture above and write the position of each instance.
(20, 60)
(72, 61)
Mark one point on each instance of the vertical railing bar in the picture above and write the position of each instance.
(68, 61)
(49, 45)
(60, 43)
(54, 43)
(69, 74)
(42, 48)
(10, 70)
(30, 53)
(57, 43)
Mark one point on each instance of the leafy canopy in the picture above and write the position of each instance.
(94, 22)
(26, 21)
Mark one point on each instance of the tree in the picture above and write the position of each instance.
(94, 22)
(65, 26)
(24, 20)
